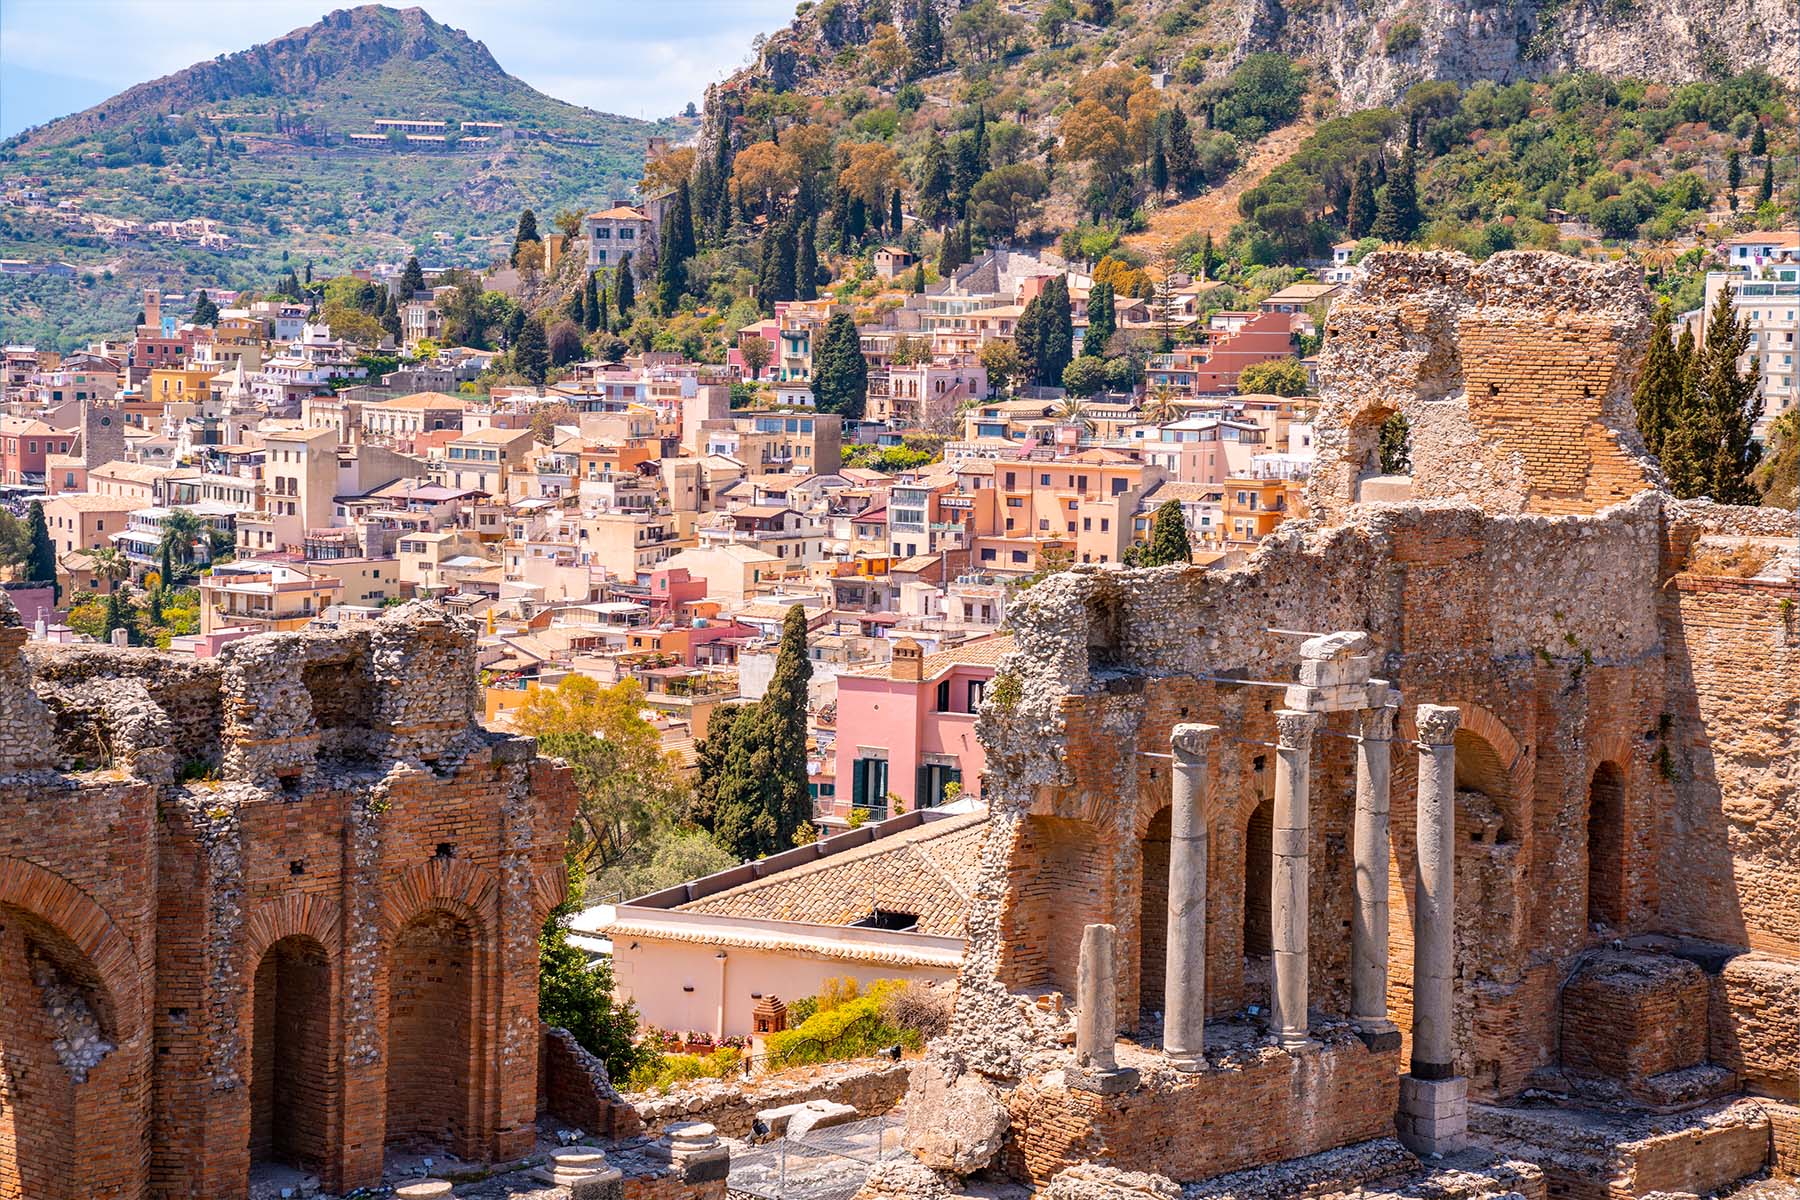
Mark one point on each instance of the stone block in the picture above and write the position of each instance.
(1109, 1082)
(1434, 1115)
(819, 1114)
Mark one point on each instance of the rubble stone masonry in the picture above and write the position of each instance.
(1625, 767)
(282, 904)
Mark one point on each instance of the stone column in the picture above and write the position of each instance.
(1369, 921)
(1434, 1115)
(1184, 976)
(1288, 907)
(1096, 1067)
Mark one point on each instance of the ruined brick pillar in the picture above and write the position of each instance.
(1288, 903)
(1434, 1113)
(1369, 919)
(1184, 977)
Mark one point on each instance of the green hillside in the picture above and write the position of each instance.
(260, 142)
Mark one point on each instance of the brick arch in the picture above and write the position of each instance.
(549, 888)
(75, 914)
(1614, 748)
(449, 884)
(1492, 730)
(296, 914)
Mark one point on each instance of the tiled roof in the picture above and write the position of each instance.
(929, 872)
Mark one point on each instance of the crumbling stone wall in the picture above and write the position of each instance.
(1621, 762)
(231, 891)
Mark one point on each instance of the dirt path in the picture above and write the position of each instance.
(1217, 210)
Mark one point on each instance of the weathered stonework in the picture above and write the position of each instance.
(282, 904)
(1623, 736)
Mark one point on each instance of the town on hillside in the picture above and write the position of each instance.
(1175, 639)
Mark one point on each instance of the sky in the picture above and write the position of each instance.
(643, 58)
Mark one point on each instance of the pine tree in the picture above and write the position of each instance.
(806, 262)
(531, 353)
(1168, 538)
(925, 37)
(412, 278)
(40, 559)
(1766, 192)
(625, 288)
(593, 317)
(1102, 322)
(840, 373)
(1361, 216)
(1658, 394)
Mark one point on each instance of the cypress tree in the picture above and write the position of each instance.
(925, 37)
(1028, 337)
(40, 559)
(591, 311)
(896, 222)
(784, 722)
(118, 616)
(1102, 322)
(753, 781)
(1159, 167)
(671, 270)
(1766, 192)
(1056, 333)
(806, 262)
(166, 552)
(1183, 160)
(1724, 407)
(205, 311)
(776, 281)
(527, 232)
(840, 373)
(1734, 175)
(934, 183)
(918, 280)
(625, 288)
(1759, 143)
(1361, 215)
(1168, 538)
(412, 277)
(578, 307)
(531, 353)
(1658, 394)
(604, 320)
(1397, 212)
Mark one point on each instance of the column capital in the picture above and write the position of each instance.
(1294, 730)
(1437, 724)
(1192, 741)
(1376, 724)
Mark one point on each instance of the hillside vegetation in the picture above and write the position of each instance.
(258, 142)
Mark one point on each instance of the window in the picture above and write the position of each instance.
(987, 555)
(1043, 481)
(1105, 525)
(1018, 556)
(933, 779)
(943, 696)
(869, 783)
(977, 688)
(1118, 485)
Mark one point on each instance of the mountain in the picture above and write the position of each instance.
(278, 146)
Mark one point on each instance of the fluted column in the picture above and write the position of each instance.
(1369, 920)
(1184, 977)
(1288, 902)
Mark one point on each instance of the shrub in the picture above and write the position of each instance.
(919, 1007)
(839, 989)
(854, 1028)
(662, 1071)
(1404, 37)
(800, 1010)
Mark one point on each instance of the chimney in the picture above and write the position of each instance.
(909, 661)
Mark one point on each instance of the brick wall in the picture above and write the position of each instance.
(330, 943)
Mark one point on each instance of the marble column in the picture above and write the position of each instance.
(1369, 920)
(1434, 1103)
(1184, 976)
(1288, 907)
(1096, 1066)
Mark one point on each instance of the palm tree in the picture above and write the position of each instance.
(1072, 410)
(1162, 405)
(108, 564)
(180, 530)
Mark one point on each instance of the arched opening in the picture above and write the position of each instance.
(431, 992)
(1259, 875)
(1153, 914)
(289, 1065)
(1380, 451)
(1483, 792)
(56, 1026)
(1606, 847)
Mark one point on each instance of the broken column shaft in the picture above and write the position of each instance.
(1289, 900)
(1369, 920)
(1184, 978)
(1096, 1066)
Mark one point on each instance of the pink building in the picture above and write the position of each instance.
(908, 730)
